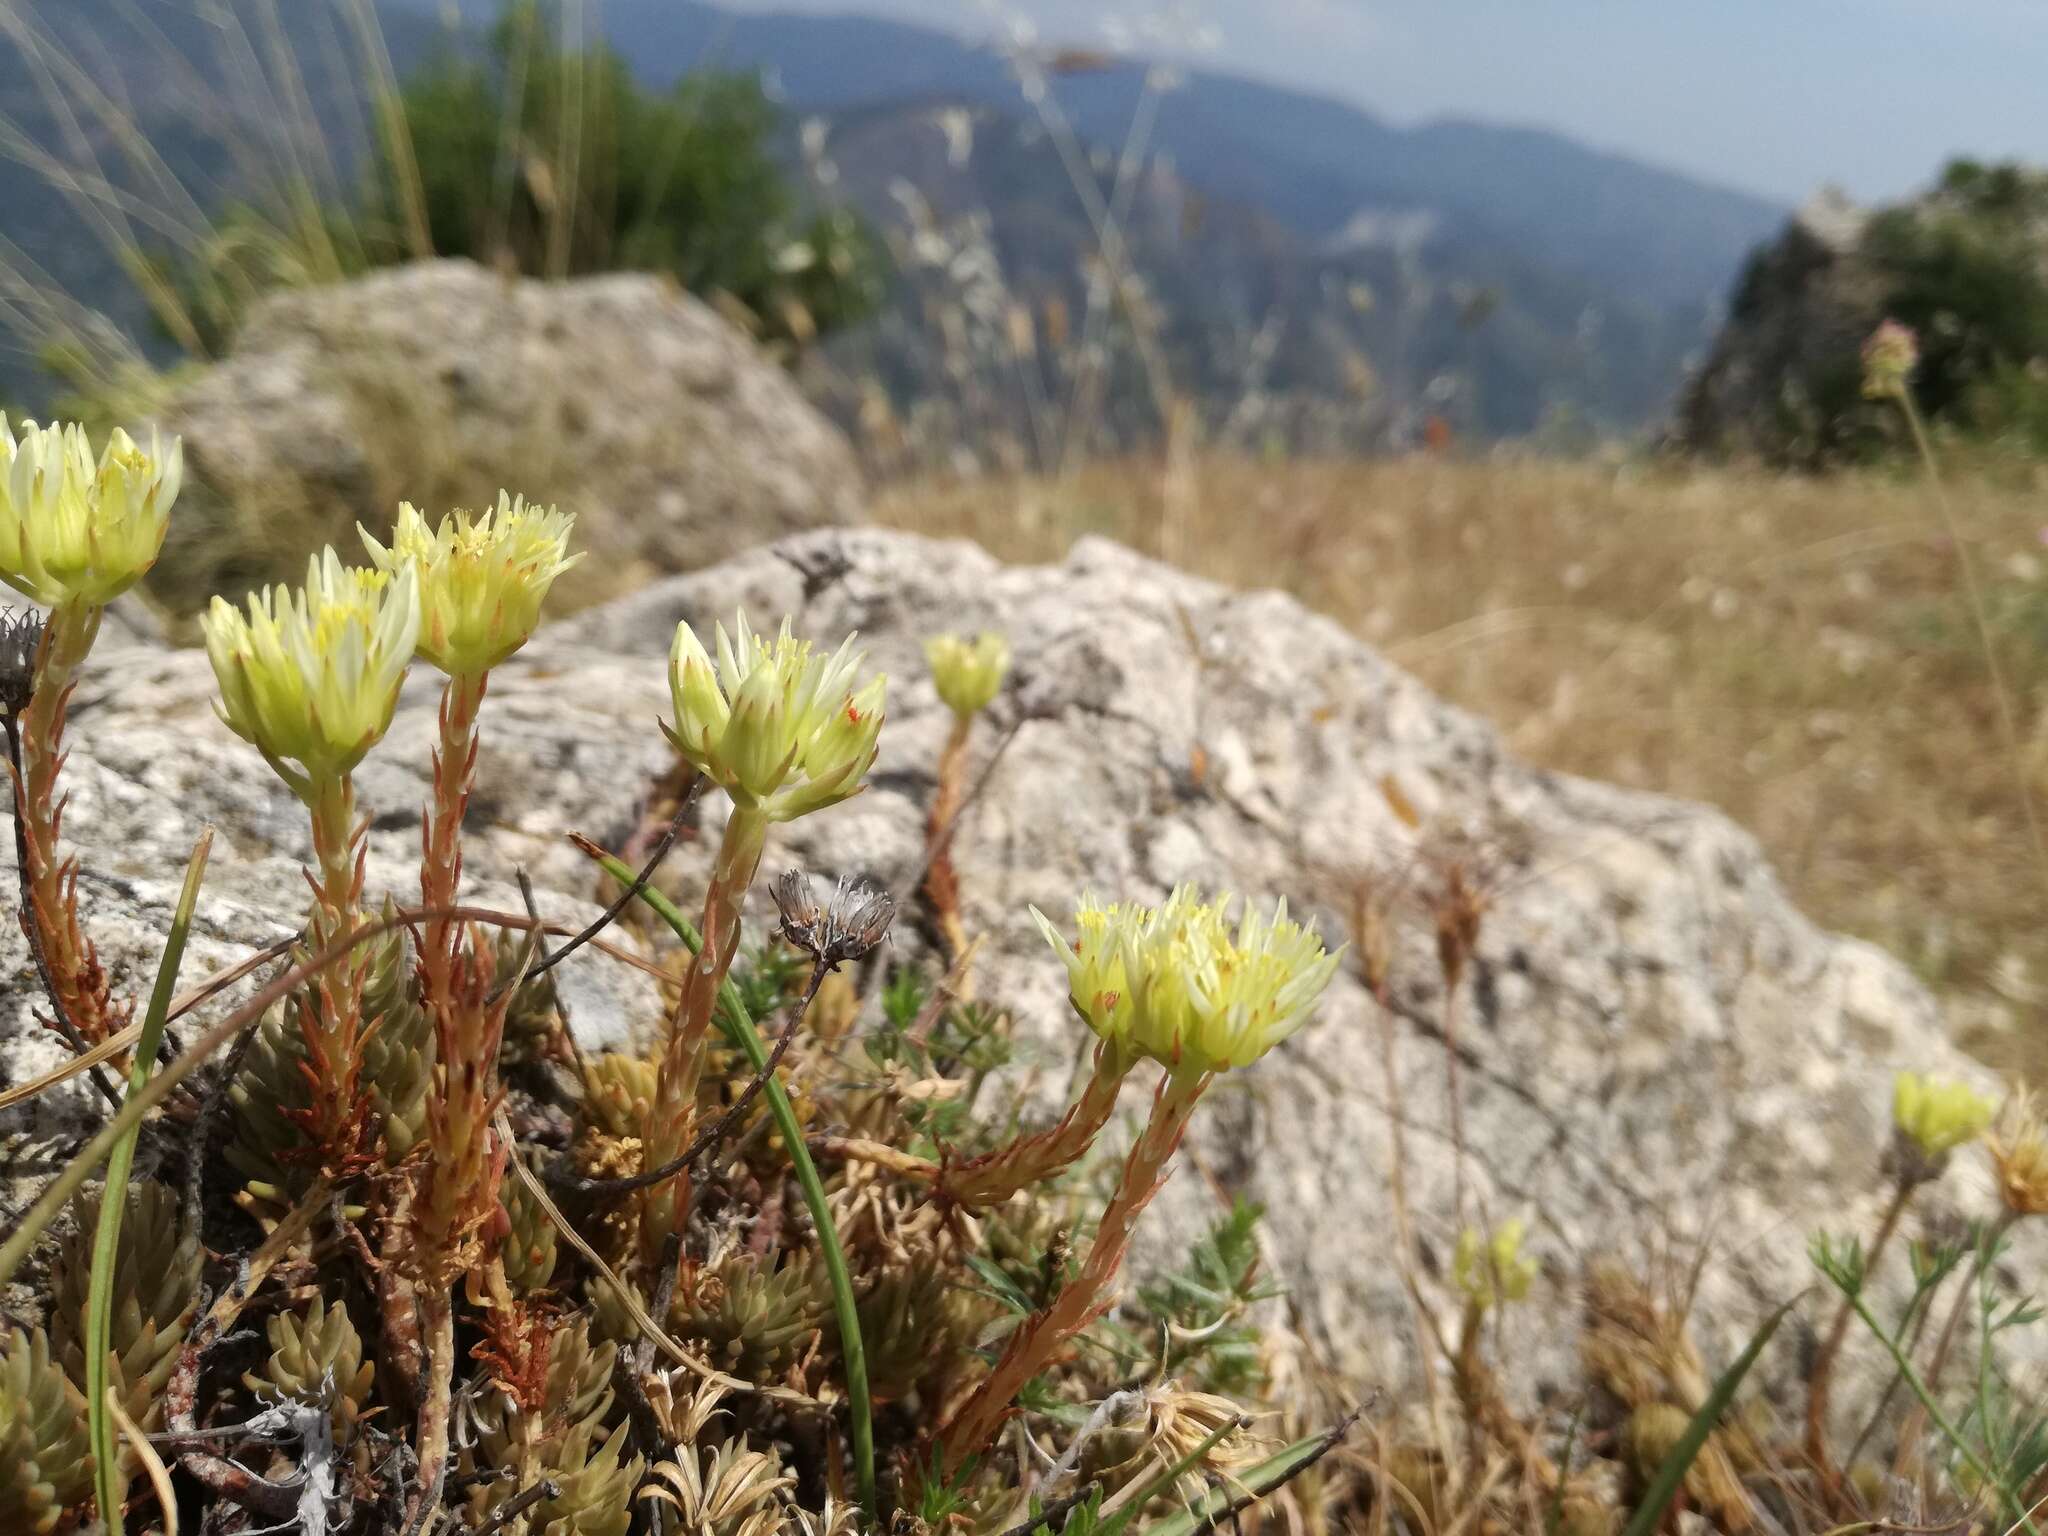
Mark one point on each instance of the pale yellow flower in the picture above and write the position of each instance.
(1490, 1270)
(779, 725)
(76, 529)
(1938, 1114)
(311, 676)
(1178, 984)
(482, 578)
(969, 673)
(1096, 983)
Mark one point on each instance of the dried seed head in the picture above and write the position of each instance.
(21, 634)
(1889, 358)
(2019, 1153)
(854, 921)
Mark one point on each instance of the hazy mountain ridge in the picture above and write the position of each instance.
(1597, 277)
(1309, 160)
(1268, 332)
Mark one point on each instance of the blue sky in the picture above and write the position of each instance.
(1774, 96)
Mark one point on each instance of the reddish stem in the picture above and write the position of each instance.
(1033, 1345)
(673, 1114)
(74, 966)
(995, 1176)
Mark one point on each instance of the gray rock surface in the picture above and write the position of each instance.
(1656, 1051)
(672, 437)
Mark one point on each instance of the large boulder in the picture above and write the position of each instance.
(1655, 1053)
(675, 440)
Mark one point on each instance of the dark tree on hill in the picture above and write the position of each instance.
(1965, 265)
(551, 162)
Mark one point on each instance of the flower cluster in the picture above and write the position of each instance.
(482, 578)
(312, 676)
(778, 725)
(968, 673)
(1178, 984)
(73, 528)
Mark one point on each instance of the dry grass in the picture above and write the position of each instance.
(1796, 651)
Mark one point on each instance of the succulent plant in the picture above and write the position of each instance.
(597, 1487)
(398, 1058)
(914, 1319)
(45, 1459)
(310, 1351)
(530, 1016)
(752, 1316)
(527, 1249)
(398, 1062)
(562, 1438)
(270, 1086)
(156, 1292)
(617, 1090)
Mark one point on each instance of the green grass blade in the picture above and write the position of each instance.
(1674, 1466)
(1258, 1480)
(739, 1028)
(108, 1483)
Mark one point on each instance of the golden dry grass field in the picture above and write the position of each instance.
(1798, 651)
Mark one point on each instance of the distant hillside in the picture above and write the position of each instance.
(1309, 161)
(1310, 268)
(1269, 334)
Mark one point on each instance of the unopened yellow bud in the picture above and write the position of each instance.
(969, 674)
(482, 578)
(311, 676)
(1937, 1114)
(72, 529)
(1490, 1270)
(781, 727)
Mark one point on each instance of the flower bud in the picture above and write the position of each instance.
(1937, 1115)
(969, 674)
(1489, 1271)
(75, 530)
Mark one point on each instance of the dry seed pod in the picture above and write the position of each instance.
(45, 1459)
(156, 1290)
